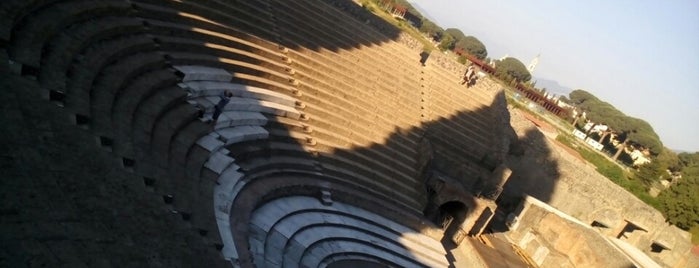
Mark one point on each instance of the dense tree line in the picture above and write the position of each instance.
(511, 69)
(631, 131)
(680, 203)
(449, 39)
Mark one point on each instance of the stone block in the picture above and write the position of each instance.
(203, 73)
(210, 142)
(242, 133)
(218, 162)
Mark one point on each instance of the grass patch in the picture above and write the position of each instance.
(400, 24)
(610, 170)
(695, 234)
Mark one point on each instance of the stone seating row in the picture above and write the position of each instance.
(460, 99)
(225, 16)
(464, 123)
(362, 170)
(352, 71)
(220, 86)
(441, 78)
(354, 31)
(106, 124)
(288, 231)
(320, 34)
(346, 160)
(223, 169)
(362, 16)
(286, 178)
(362, 104)
(396, 89)
(344, 26)
(348, 31)
(29, 36)
(211, 104)
(60, 51)
(159, 112)
(442, 102)
(221, 218)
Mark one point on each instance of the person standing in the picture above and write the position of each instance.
(468, 75)
(218, 108)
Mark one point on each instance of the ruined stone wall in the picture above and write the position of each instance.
(552, 240)
(549, 173)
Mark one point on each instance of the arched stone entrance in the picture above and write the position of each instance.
(450, 216)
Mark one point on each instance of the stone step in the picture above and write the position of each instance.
(29, 38)
(68, 46)
(212, 88)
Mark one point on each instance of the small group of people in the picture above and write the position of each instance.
(470, 76)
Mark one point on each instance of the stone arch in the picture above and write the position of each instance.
(450, 216)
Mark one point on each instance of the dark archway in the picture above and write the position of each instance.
(449, 217)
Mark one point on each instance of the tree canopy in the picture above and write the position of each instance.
(630, 129)
(513, 68)
(680, 203)
(469, 44)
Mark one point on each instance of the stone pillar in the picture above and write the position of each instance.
(496, 182)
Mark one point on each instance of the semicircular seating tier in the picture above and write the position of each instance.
(316, 159)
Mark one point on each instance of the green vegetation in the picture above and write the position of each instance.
(632, 131)
(611, 170)
(454, 39)
(695, 234)
(510, 69)
(680, 203)
(373, 7)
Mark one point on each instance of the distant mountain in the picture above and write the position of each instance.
(677, 151)
(553, 86)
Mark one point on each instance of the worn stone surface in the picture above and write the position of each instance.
(65, 202)
(548, 172)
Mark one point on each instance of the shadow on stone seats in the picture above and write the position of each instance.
(143, 78)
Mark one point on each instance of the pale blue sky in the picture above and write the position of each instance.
(640, 56)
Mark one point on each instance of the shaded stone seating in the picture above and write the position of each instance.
(132, 51)
(324, 79)
(28, 38)
(204, 88)
(351, 33)
(203, 73)
(277, 235)
(189, 12)
(359, 96)
(61, 51)
(11, 11)
(128, 101)
(98, 94)
(362, 55)
(451, 84)
(292, 231)
(220, 48)
(299, 118)
(343, 168)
